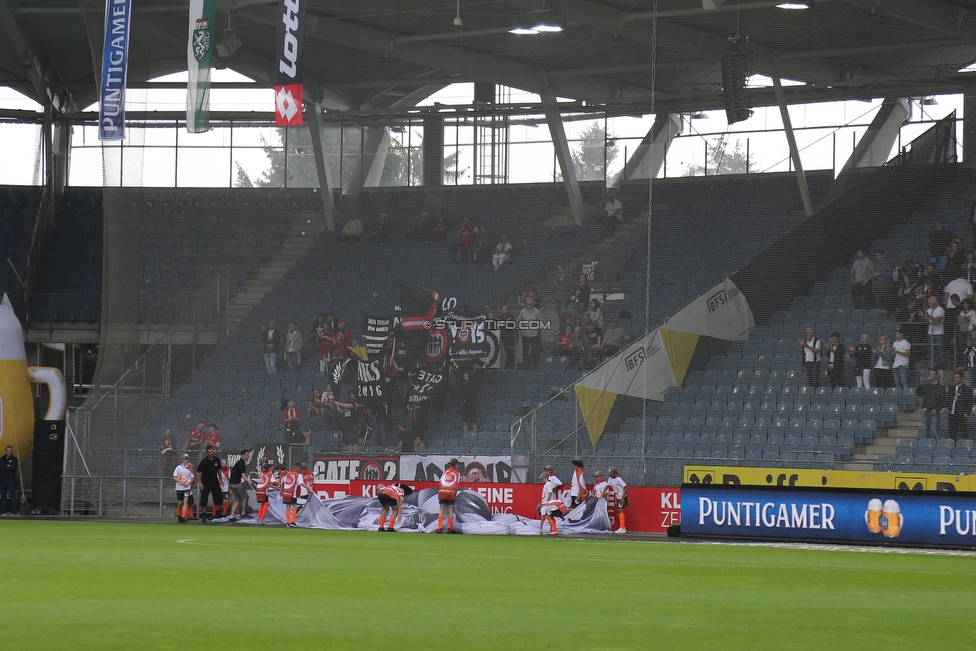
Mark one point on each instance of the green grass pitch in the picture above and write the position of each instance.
(97, 585)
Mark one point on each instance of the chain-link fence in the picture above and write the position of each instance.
(150, 343)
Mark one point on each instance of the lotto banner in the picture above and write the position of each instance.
(288, 78)
(852, 516)
(474, 469)
(791, 477)
(115, 67)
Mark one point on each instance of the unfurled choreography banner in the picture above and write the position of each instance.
(115, 60)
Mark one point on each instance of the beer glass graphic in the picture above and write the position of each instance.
(16, 402)
(891, 519)
(873, 516)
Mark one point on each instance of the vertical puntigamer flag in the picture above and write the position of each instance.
(115, 60)
(199, 58)
(288, 79)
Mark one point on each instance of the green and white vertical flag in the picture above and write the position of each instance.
(199, 58)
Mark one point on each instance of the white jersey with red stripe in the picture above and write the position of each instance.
(600, 489)
(550, 495)
(578, 487)
(183, 476)
(264, 483)
(449, 484)
(224, 477)
(305, 489)
(393, 490)
(619, 486)
(290, 484)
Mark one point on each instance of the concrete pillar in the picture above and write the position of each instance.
(877, 141)
(563, 156)
(801, 179)
(969, 125)
(315, 129)
(646, 161)
(433, 150)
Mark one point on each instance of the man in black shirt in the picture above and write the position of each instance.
(238, 488)
(208, 475)
(933, 396)
(960, 404)
(8, 482)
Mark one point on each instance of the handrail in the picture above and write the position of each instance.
(211, 284)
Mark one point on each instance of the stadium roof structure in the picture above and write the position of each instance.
(384, 56)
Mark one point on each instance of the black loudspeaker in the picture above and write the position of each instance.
(734, 73)
(674, 531)
(48, 464)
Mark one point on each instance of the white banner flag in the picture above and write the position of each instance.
(199, 58)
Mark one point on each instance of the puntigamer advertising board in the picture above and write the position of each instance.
(857, 516)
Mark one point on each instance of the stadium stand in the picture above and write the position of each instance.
(750, 406)
(15, 212)
(233, 388)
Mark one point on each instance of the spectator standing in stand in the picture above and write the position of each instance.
(960, 405)
(863, 354)
(293, 347)
(529, 327)
(970, 357)
(862, 271)
(272, 346)
(466, 239)
(902, 351)
(613, 214)
(581, 295)
(812, 350)
(835, 361)
(933, 396)
(166, 449)
(884, 375)
(882, 282)
(935, 315)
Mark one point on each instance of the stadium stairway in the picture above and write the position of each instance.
(302, 230)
